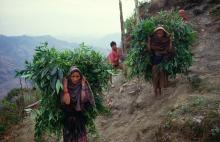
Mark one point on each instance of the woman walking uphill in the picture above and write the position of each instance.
(77, 98)
(159, 43)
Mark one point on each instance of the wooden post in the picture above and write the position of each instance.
(20, 102)
(122, 28)
(137, 15)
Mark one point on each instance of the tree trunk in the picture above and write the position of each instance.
(122, 28)
(137, 15)
(20, 102)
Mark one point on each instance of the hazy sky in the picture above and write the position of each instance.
(62, 17)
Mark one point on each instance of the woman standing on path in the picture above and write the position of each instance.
(159, 44)
(77, 98)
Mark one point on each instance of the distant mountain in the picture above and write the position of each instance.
(14, 50)
(22, 47)
(100, 44)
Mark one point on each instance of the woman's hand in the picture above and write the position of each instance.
(66, 95)
(66, 98)
(83, 93)
(148, 45)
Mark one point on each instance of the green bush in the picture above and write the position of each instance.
(14, 92)
(195, 81)
(47, 71)
(9, 113)
(2, 128)
(139, 59)
(216, 11)
(12, 107)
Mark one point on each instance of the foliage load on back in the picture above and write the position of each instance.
(139, 58)
(47, 71)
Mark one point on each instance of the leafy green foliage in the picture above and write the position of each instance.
(47, 71)
(9, 115)
(139, 59)
(216, 11)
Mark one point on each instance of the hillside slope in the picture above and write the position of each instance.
(137, 116)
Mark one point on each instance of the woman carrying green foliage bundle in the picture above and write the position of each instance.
(77, 113)
(140, 61)
(77, 97)
(159, 44)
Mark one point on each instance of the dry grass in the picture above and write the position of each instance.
(195, 119)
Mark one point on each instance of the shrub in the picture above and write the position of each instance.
(216, 11)
(2, 128)
(195, 81)
(10, 110)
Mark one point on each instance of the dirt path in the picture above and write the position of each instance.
(136, 113)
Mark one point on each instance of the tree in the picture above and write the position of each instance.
(122, 27)
(137, 15)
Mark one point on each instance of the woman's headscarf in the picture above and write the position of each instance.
(74, 69)
(80, 93)
(161, 28)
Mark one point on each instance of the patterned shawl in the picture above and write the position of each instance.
(80, 93)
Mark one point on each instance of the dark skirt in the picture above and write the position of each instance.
(74, 125)
(156, 59)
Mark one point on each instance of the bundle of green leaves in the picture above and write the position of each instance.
(139, 58)
(47, 71)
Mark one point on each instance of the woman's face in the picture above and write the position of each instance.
(75, 77)
(160, 33)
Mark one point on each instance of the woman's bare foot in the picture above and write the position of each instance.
(155, 93)
(159, 91)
